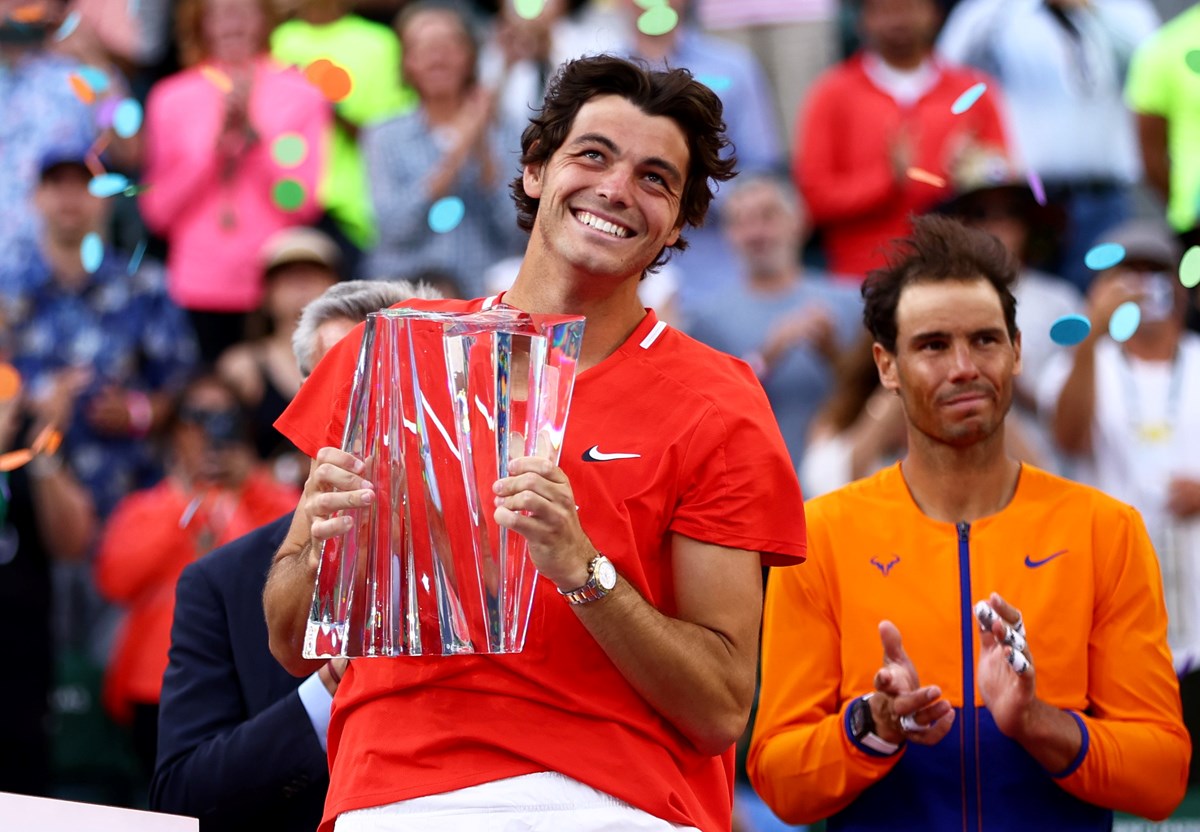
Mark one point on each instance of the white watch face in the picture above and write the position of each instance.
(606, 574)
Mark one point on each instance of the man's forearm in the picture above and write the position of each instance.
(1072, 420)
(1051, 736)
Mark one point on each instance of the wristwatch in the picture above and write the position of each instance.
(862, 728)
(602, 577)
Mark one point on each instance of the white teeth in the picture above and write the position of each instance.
(592, 221)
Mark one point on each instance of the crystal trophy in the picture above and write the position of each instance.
(441, 403)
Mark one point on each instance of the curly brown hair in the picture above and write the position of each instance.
(672, 93)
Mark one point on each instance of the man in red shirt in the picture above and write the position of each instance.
(878, 136)
(625, 703)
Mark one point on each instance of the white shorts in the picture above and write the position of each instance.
(542, 802)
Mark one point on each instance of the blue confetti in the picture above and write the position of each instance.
(1124, 321)
(1069, 330)
(127, 118)
(107, 184)
(1104, 256)
(136, 260)
(967, 100)
(91, 253)
(446, 214)
(716, 83)
(68, 26)
(97, 79)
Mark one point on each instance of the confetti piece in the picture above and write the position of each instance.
(104, 112)
(217, 78)
(657, 21)
(716, 83)
(68, 27)
(315, 71)
(336, 84)
(446, 214)
(80, 87)
(107, 184)
(650, 4)
(1124, 321)
(922, 175)
(967, 100)
(1189, 268)
(529, 9)
(136, 260)
(127, 118)
(1193, 60)
(289, 150)
(1104, 256)
(134, 190)
(91, 252)
(29, 13)
(1070, 330)
(10, 382)
(288, 194)
(13, 460)
(1035, 185)
(47, 441)
(96, 78)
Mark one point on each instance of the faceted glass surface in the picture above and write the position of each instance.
(441, 403)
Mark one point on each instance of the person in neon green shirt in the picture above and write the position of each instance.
(1164, 91)
(370, 53)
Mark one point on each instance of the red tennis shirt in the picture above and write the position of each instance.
(710, 464)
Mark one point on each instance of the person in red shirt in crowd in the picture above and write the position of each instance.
(639, 666)
(878, 135)
(213, 493)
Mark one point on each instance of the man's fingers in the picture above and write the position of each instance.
(536, 465)
(936, 731)
(340, 459)
(893, 647)
(910, 703)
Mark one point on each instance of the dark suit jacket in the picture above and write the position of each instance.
(235, 745)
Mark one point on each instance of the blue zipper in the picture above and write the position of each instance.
(970, 742)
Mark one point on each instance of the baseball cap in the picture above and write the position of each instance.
(62, 154)
(1146, 240)
(300, 245)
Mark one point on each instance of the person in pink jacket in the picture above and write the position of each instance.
(235, 145)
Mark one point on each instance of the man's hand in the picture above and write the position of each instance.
(1183, 497)
(898, 694)
(812, 325)
(1106, 294)
(535, 500)
(335, 485)
(1005, 676)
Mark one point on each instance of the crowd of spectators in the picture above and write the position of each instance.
(153, 267)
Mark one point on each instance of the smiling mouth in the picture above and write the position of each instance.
(604, 226)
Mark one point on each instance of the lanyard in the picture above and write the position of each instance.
(1161, 431)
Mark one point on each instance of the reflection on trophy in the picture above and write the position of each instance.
(441, 403)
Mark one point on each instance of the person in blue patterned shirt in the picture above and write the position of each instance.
(100, 352)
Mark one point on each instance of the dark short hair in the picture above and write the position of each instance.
(939, 249)
(672, 93)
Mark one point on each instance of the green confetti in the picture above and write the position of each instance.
(289, 150)
(288, 194)
(657, 21)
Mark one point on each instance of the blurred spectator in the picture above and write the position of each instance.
(45, 516)
(451, 148)
(1131, 412)
(796, 40)
(235, 747)
(789, 325)
(992, 196)
(102, 353)
(709, 266)
(216, 186)
(1061, 64)
(521, 55)
(38, 110)
(212, 494)
(859, 429)
(299, 264)
(1162, 91)
(874, 118)
(370, 53)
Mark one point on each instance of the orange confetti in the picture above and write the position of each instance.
(15, 459)
(81, 88)
(31, 13)
(47, 441)
(921, 175)
(336, 84)
(315, 71)
(10, 382)
(218, 78)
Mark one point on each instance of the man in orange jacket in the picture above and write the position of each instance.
(1066, 706)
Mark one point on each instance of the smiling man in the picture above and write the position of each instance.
(639, 666)
(1066, 706)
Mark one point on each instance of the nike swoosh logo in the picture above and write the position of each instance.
(594, 454)
(1034, 564)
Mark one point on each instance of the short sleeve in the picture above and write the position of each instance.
(316, 416)
(1148, 88)
(740, 488)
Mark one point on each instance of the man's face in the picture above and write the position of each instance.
(610, 196)
(954, 362)
(763, 228)
(904, 26)
(68, 211)
(438, 57)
